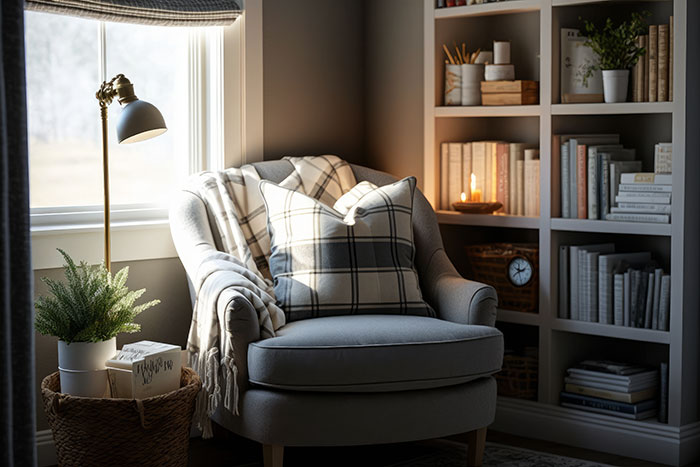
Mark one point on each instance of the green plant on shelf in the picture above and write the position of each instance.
(91, 306)
(615, 44)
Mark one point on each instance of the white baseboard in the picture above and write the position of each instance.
(46, 450)
(651, 441)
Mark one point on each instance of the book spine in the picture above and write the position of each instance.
(618, 300)
(582, 286)
(643, 208)
(604, 291)
(642, 187)
(494, 172)
(574, 273)
(639, 75)
(665, 302)
(634, 297)
(658, 273)
(532, 188)
(645, 42)
(646, 178)
(466, 167)
(520, 187)
(626, 305)
(670, 58)
(634, 78)
(635, 217)
(604, 186)
(564, 282)
(444, 181)
(663, 393)
(555, 178)
(454, 173)
(592, 300)
(581, 188)
(573, 190)
(662, 94)
(644, 198)
(479, 164)
(613, 406)
(565, 182)
(663, 158)
(653, 62)
(489, 169)
(502, 169)
(592, 184)
(649, 302)
(512, 182)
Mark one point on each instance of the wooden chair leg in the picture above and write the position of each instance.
(273, 455)
(475, 451)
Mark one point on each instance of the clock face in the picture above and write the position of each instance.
(520, 271)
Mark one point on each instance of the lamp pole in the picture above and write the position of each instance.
(105, 175)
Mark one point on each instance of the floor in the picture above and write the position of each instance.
(230, 450)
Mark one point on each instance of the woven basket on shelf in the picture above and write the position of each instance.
(121, 432)
(518, 378)
(489, 264)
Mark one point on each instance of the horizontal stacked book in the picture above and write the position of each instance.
(624, 289)
(502, 171)
(597, 174)
(617, 389)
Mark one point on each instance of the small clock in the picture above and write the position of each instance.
(520, 271)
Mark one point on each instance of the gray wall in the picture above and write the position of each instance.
(168, 321)
(313, 67)
(394, 86)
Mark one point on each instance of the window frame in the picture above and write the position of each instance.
(227, 67)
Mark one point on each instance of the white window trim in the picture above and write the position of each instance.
(230, 134)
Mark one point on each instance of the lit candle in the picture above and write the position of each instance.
(476, 194)
(463, 197)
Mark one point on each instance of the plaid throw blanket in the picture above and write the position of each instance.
(242, 270)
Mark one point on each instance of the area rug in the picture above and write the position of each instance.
(452, 454)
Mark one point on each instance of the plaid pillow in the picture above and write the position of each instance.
(327, 264)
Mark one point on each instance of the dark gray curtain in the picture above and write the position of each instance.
(17, 386)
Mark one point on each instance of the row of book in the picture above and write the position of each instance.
(600, 179)
(652, 76)
(624, 289)
(618, 389)
(491, 171)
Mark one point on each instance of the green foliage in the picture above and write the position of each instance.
(615, 45)
(92, 306)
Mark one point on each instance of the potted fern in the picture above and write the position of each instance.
(617, 50)
(86, 313)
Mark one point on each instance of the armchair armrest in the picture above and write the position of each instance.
(457, 299)
(241, 322)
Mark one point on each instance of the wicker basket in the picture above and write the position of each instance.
(120, 432)
(489, 264)
(518, 378)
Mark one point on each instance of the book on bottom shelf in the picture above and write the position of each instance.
(636, 411)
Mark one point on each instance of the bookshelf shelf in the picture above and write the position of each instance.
(590, 225)
(608, 330)
(488, 9)
(518, 317)
(534, 29)
(613, 109)
(488, 111)
(488, 220)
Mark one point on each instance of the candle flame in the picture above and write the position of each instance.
(463, 197)
(472, 185)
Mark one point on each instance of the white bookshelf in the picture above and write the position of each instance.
(533, 27)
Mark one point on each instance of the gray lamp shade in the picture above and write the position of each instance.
(139, 121)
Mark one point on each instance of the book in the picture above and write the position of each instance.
(444, 164)
(618, 300)
(144, 369)
(638, 411)
(466, 167)
(670, 58)
(575, 272)
(607, 263)
(494, 87)
(658, 273)
(503, 176)
(640, 416)
(633, 217)
(646, 178)
(607, 385)
(642, 208)
(662, 78)
(493, 170)
(663, 158)
(479, 165)
(663, 393)
(516, 153)
(574, 59)
(627, 397)
(564, 282)
(638, 76)
(644, 198)
(665, 302)
(645, 43)
(565, 182)
(653, 62)
(619, 372)
(581, 186)
(589, 278)
(649, 303)
(454, 178)
(511, 98)
(555, 178)
(642, 187)
(532, 182)
(639, 293)
(595, 176)
(626, 303)
(490, 169)
(520, 186)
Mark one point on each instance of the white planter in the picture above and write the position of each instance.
(472, 76)
(615, 85)
(453, 84)
(82, 367)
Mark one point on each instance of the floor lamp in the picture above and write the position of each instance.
(138, 121)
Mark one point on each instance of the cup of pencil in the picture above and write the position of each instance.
(463, 76)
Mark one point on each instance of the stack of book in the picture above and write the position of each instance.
(504, 172)
(592, 168)
(617, 389)
(625, 289)
(642, 197)
(652, 76)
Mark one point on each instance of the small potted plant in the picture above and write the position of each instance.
(617, 50)
(86, 313)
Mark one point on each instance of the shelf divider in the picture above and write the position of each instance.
(598, 226)
(613, 109)
(487, 220)
(488, 111)
(609, 330)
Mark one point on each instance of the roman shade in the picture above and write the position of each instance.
(155, 12)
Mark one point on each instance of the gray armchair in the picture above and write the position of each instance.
(361, 379)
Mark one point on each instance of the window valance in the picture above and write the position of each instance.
(156, 12)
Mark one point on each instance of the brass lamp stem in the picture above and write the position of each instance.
(105, 172)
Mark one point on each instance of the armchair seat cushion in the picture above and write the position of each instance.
(374, 353)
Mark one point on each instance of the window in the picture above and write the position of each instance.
(67, 60)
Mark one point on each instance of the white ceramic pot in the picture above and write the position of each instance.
(472, 76)
(82, 367)
(615, 85)
(453, 84)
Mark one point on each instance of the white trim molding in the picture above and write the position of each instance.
(651, 441)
